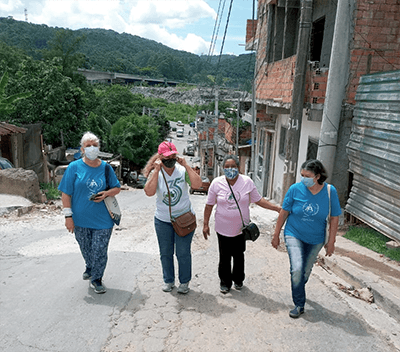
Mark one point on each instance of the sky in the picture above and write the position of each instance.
(179, 24)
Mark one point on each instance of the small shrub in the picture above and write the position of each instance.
(51, 191)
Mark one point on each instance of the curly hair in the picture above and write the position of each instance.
(150, 165)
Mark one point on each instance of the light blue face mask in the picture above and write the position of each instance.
(92, 152)
(231, 172)
(308, 181)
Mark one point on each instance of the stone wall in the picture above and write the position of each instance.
(20, 182)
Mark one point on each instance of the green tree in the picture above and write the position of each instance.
(7, 103)
(135, 137)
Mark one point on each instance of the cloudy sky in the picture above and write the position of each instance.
(180, 24)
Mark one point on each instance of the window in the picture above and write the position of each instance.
(312, 149)
(282, 142)
(317, 35)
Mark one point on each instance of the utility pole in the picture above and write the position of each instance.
(253, 124)
(296, 111)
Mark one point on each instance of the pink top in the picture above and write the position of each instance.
(227, 217)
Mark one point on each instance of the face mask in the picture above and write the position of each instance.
(169, 163)
(92, 152)
(308, 181)
(231, 172)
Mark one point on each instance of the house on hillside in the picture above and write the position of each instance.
(310, 55)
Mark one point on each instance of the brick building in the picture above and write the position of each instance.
(310, 57)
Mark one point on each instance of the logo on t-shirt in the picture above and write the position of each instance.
(231, 201)
(175, 190)
(94, 186)
(310, 209)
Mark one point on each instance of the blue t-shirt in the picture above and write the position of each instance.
(308, 212)
(80, 181)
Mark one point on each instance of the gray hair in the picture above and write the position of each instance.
(229, 157)
(89, 136)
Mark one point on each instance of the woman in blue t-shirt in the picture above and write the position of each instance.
(88, 217)
(306, 208)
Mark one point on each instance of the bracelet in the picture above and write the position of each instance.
(69, 216)
(67, 211)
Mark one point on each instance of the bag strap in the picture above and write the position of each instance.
(107, 173)
(169, 195)
(233, 194)
(329, 197)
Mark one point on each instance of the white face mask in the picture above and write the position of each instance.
(92, 152)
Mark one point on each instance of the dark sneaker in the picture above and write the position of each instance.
(86, 275)
(238, 286)
(224, 289)
(98, 286)
(296, 312)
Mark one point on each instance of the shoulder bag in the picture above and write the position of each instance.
(183, 224)
(328, 217)
(111, 202)
(250, 231)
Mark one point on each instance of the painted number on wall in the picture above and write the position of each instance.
(293, 124)
(289, 167)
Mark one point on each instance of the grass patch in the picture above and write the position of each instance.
(51, 191)
(373, 240)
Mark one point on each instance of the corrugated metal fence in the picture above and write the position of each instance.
(374, 153)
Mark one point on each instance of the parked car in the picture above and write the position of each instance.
(179, 123)
(140, 181)
(192, 124)
(204, 186)
(179, 133)
(5, 164)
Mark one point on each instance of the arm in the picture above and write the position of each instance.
(333, 227)
(281, 220)
(263, 203)
(195, 179)
(207, 213)
(150, 187)
(66, 202)
(109, 193)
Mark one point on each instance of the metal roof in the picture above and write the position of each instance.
(7, 129)
(374, 153)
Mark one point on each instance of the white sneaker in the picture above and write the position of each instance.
(183, 288)
(167, 287)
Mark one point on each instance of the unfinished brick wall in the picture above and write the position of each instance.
(251, 28)
(376, 45)
(275, 80)
(316, 81)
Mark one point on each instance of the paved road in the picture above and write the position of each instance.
(46, 306)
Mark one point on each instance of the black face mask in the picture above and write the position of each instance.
(169, 163)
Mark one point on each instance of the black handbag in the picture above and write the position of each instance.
(251, 231)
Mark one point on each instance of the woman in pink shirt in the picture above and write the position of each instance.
(228, 223)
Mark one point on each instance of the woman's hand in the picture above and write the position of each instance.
(100, 196)
(206, 231)
(181, 161)
(329, 249)
(275, 241)
(69, 224)
(157, 165)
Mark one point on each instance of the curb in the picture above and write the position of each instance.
(385, 288)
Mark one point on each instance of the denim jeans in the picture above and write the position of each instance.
(302, 257)
(169, 242)
(231, 248)
(94, 246)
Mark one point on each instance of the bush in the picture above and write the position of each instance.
(51, 191)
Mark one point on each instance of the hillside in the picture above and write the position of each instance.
(108, 50)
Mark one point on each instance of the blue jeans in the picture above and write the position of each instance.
(94, 245)
(169, 242)
(302, 257)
